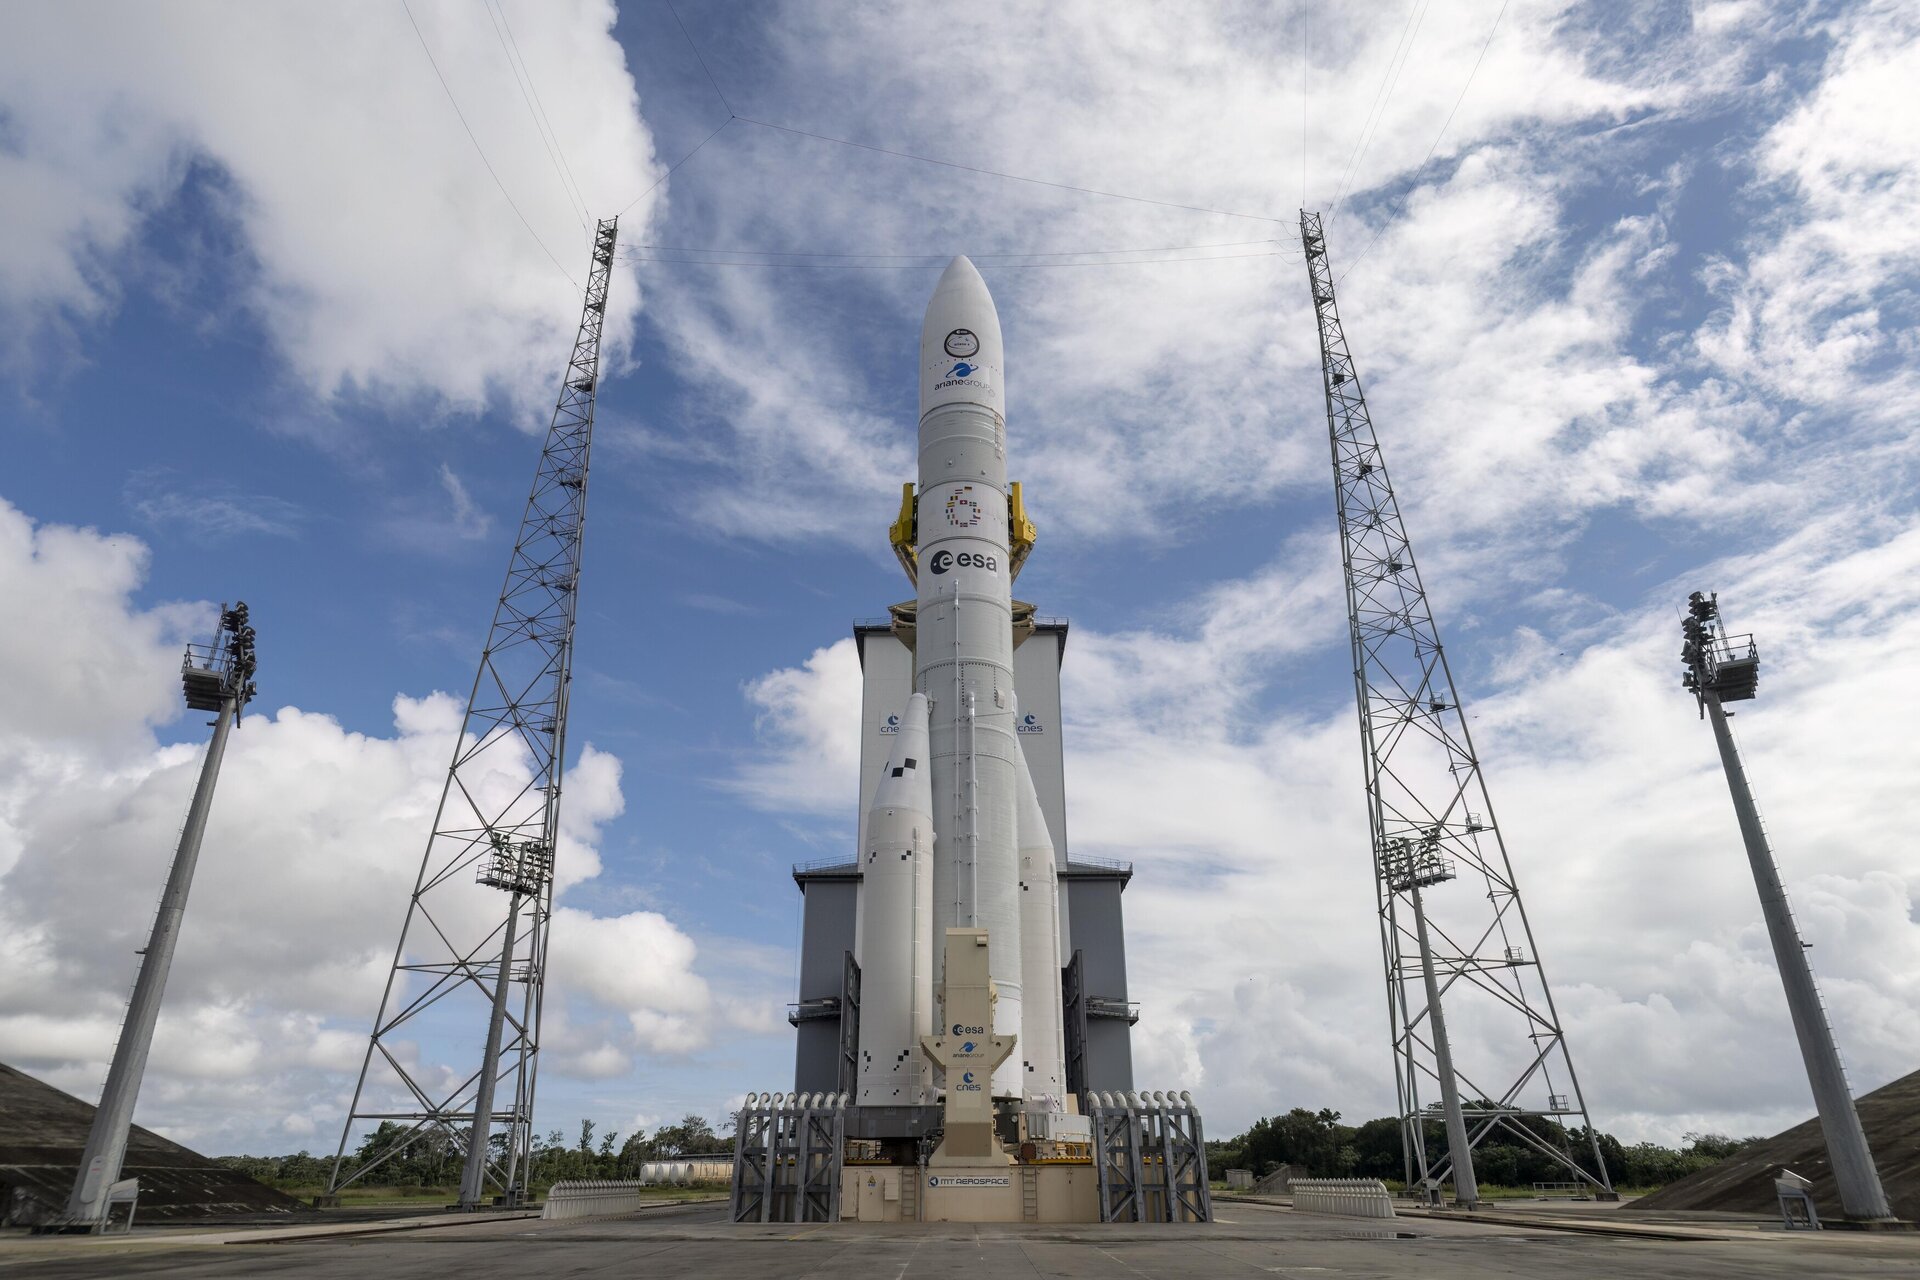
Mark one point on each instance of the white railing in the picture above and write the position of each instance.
(1347, 1197)
(596, 1199)
(1560, 1191)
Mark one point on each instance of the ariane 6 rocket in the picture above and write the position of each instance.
(955, 835)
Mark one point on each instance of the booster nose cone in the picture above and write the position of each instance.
(960, 350)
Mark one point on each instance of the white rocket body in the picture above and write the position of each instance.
(964, 644)
(1043, 1023)
(894, 942)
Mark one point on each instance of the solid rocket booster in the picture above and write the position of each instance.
(964, 645)
(894, 943)
(1043, 1022)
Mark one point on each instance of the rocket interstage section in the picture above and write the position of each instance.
(964, 643)
(894, 943)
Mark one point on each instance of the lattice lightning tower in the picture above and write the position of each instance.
(1458, 952)
(477, 924)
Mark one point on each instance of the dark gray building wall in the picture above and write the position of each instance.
(1099, 935)
(830, 898)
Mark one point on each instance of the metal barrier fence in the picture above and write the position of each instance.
(1151, 1157)
(596, 1199)
(1347, 1197)
(787, 1152)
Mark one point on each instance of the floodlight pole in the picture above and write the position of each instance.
(1719, 668)
(473, 1179)
(1466, 1188)
(217, 675)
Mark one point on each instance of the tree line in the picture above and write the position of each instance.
(1316, 1144)
(434, 1158)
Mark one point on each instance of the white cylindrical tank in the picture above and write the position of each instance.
(964, 636)
(1042, 1047)
(893, 941)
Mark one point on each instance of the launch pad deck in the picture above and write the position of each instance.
(1248, 1239)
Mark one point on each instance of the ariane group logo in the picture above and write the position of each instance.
(963, 511)
(1030, 723)
(961, 375)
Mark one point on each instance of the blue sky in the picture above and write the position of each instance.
(1643, 323)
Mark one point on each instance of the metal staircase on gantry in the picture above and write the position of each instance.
(476, 926)
(1458, 952)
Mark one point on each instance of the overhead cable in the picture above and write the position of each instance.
(555, 151)
(733, 115)
(675, 165)
(481, 151)
(1401, 202)
(697, 57)
(1382, 95)
(944, 257)
(926, 265)
(1011, 177)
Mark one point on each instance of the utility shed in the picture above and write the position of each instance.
(43, 1133)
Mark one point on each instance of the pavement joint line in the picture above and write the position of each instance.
(143, 1242)
(341, 1231)
(1621, 1230)
(344, 1231)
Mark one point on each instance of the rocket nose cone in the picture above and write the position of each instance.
(960, 345)
(960, 274)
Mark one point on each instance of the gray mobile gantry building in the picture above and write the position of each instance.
(1099, 1016)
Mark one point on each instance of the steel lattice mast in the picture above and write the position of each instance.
(478, 919)
(1460, 956)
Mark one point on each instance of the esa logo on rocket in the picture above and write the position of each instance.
(945, 560)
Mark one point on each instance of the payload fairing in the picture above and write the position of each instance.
(988, 860)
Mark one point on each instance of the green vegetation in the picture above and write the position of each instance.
(428, 1166)
(1316, 1144)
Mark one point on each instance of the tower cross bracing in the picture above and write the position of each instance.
(1457, 949)
(470, 966)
